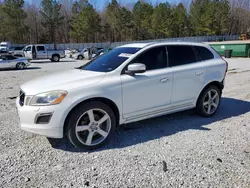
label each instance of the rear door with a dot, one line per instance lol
(41, 52)
(188, 73)
(11, 60)
(3, 61)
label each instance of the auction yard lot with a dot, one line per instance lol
(179, 150)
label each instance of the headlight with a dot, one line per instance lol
(48, 98)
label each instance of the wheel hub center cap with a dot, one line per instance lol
(94, 127)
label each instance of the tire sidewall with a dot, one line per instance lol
(55, 60)
(80, 57)
(75, 115)
(199, 106)
(20, 68)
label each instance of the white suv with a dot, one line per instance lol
(130, 83)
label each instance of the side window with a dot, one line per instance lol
(28, 48)
(155, 58)
(181, 55)
(204, 53)
(9, 57)
(40, 48)
(3, 57)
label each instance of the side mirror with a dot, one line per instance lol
(135, 68)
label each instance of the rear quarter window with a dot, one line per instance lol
(204, 53)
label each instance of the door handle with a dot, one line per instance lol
(164, 80)
(198, 73)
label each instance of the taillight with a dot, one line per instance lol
(226, 67)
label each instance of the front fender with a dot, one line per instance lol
(80, 99)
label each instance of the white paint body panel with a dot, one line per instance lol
(146, 91)
(137, 97)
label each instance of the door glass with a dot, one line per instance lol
(204, 53)
(3, 57)
(28, 48)
(9, 57)
(40, 48)
(181, 55)
(155, 58)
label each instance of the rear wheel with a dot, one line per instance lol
(55, 58)
(91, 125)
(209, 101)
(20, 66)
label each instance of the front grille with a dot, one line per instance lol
(22, 97)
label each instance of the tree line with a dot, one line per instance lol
(80, 21)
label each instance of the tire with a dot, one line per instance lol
(93, 135)
(207, 106)
(20, 66)
(80, 57)
(55, 58)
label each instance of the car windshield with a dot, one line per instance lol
(111, 60)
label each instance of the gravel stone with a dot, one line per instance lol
(218, 159)
(164, 164)
(26, 179)
(187, 143)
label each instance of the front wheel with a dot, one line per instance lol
(91, 125)
(209, 101)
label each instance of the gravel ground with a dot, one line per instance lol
(179, 150)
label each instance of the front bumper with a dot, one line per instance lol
(28, 115)
(27, 64)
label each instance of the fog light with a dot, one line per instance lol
(43, 118)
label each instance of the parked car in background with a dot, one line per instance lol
(130, 83)
(81, 54)
(17, 51)
(4, 50)
(41, 52)
(5, 44)
(10, 61)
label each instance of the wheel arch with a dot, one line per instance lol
(55, 55)
(104, 100)
(220, 85)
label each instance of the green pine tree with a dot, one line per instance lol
(51, 18)
(13, 17)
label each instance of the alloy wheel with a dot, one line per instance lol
(93, 127)
(211, 101)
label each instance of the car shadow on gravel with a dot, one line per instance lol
(155, 128)
(50, 62)
(28, 68)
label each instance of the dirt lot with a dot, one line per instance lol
(180, 150)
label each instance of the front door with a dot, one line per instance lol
(28, 52)
(149, 91)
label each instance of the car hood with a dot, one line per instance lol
(67, 80)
